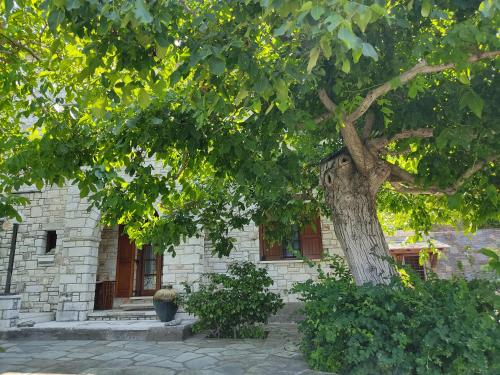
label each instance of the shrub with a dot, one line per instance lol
(232, 304)
(420, 327)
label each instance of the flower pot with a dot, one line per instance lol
(165, 310)
(164, 303)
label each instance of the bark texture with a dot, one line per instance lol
(355, 220)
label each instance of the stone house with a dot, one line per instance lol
(64, 258)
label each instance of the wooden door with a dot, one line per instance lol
(149, 271)
(124, 265)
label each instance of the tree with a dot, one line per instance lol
(248, 104)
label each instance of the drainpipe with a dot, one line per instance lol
(10, 268)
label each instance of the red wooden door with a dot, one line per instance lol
(124, 265)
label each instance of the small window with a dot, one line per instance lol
(51, 241)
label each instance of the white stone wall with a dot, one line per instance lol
(9, 311)
(64, 279)
(78, 271)
(108, 252)
(195, 258)
(187, 265)
(36, 274)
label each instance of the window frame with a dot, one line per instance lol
(318, 236)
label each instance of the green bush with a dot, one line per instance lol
(420, 327)
(233, 304)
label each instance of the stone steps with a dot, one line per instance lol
(41, 317)
(138, 304)
(122, 315)
(130, 315)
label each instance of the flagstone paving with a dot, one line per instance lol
(276, 355)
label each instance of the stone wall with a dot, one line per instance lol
(63, 279)
(195, 257)
(108, 252)
(36, 274)
(460, 257)
(82, 234)
(9, 310)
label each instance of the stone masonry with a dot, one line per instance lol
(195, 257)
(9, 310)
(63, 279)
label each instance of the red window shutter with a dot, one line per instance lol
(268, 252)
(310, 240)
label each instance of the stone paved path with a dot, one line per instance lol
(276, 355)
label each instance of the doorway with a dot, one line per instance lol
(140, 265)
(149, 271)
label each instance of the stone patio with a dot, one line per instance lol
(278, 354)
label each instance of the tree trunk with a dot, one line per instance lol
(355, 220)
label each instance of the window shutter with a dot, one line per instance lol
(268, 252)
(310, 240)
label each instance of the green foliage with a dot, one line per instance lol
(431, 327)
(493, 259)
(234, 304)
(224, 93)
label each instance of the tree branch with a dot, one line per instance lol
(327, 102)
(362, 158)
(404, 182)
(420, 68)
(379, 143)
(369, 121)
(20, 46)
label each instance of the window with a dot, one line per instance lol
(51, 241)
(414, 263)
(306, 241)
(410, 257)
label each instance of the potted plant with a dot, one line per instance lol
(164, 301)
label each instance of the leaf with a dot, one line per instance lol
(325, 45)
(256, 106)
(454, 201)
(333, 22)
(356, 54)
(489, 253)
(369, 51)
(281, 95)
(348, 37)
(306, 6)
(143, 98)
(282, 29)
(56, 16)
(492, 194)
(471, 100)
(362, 19)
(317, 12)
(346, 66)
(242, 94)
(73, 4)
(9, 4)
(426, 8)
(313, 59)
(269, 109)
(141, 12)
(217, 65)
